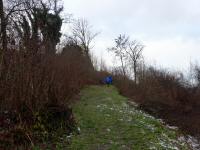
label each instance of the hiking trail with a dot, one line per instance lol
(107, 122)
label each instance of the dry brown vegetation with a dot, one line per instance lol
(163, 93)
(36, 90)
(37, 84)
(166, 95)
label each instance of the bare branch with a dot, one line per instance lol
(83, 34)
(13, 9)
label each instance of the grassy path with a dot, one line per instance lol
(107, 122)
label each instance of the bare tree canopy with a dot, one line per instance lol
(121, 45)
(31, 23)
(83, 35)
(134, 54)
(128, 51)
(7, 8)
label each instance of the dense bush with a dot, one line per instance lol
(35, 93)
(164, 94)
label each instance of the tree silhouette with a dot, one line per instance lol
(120, 48)
(83, 35)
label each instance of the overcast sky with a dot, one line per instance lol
(169, 29)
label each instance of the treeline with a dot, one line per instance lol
(38, 81)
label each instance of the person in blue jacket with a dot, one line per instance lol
(108, 80)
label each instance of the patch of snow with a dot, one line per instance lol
(69, 136)
(79, 129)
(108, 130)
(133, 103)
(181, 139)
(111, 142)
(124, 105)
(150, 127)
(172, 127)
(167, 145)
(107, 115)
(111, 108)
(123, 146)
(131, 112)
(152, 148)
(129, 119)
(146, 115)
(161, 121)
(192, 141)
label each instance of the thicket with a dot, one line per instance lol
(38, 81)
(167, 95)
(35, 93)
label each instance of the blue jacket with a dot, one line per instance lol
(108, 80)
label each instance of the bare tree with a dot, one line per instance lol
(38, 28)
(5, 13)
(128, 51)
(134, 54)
(95, 61)
(196, 72)
(83, 35)
(3, 25)
(120, 48)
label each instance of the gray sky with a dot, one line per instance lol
(169, 29)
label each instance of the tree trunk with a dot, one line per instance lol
(135, 71)
(123, 67)
(3, 27)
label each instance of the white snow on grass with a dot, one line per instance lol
(192, 141)
(130, 111)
